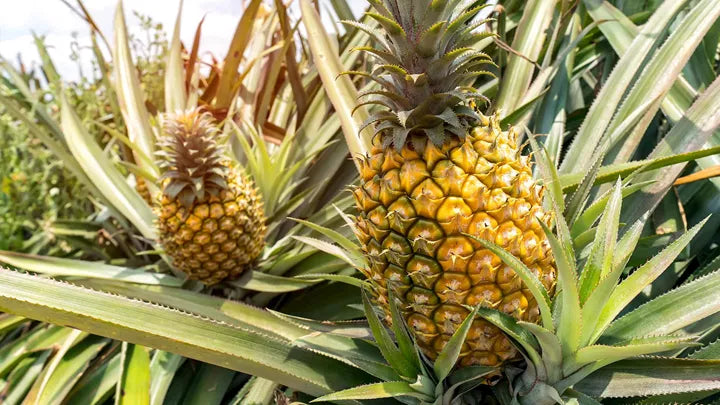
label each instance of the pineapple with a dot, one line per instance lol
(142, 189)
(210, 217)
(437, 172)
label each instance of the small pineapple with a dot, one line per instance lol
(437, 172)
(210, 217)
(142, 189)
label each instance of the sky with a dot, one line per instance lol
(53, 19)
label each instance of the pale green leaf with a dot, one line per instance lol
(175, 97)
(130, 94)
(103, 174)
(60, 267)
(339, 89)
(662, 71)
(17, 391)
(258, 281)
(528, 43)
(616, 86)
(599, 263)
(171, 330)
(374, 391)
(690, 134)
(163, 367)
(651, 376)
(570, 320)
(594, 210)
(581, 194)
(709, 352)
(451, 351)
(44, 389)
(134, 385)
(627, 243)
(98, 384)
(551, 350)
(611, 172)
(353, 329)
(387, 347)
(670, 312)
(329, 248)
(633, 348)
(42, 338)
(644, 275)
(9, 322)
(69, 369)
(334, 277)
(352, 247)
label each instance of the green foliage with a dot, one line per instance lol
(39, 195)
(632, 281)
(91, 128)
(625, 92)
(35, 191)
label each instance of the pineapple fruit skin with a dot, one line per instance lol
(415, 212)
(216, 238)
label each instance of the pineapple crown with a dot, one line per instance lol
(191, 158)
(426, 64)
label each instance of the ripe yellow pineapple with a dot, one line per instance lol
(438, 171)
(210, 217)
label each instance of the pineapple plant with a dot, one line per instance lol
(597, 319)
(438, 174)
(628, 283)
(274, 126)
(210, 216)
